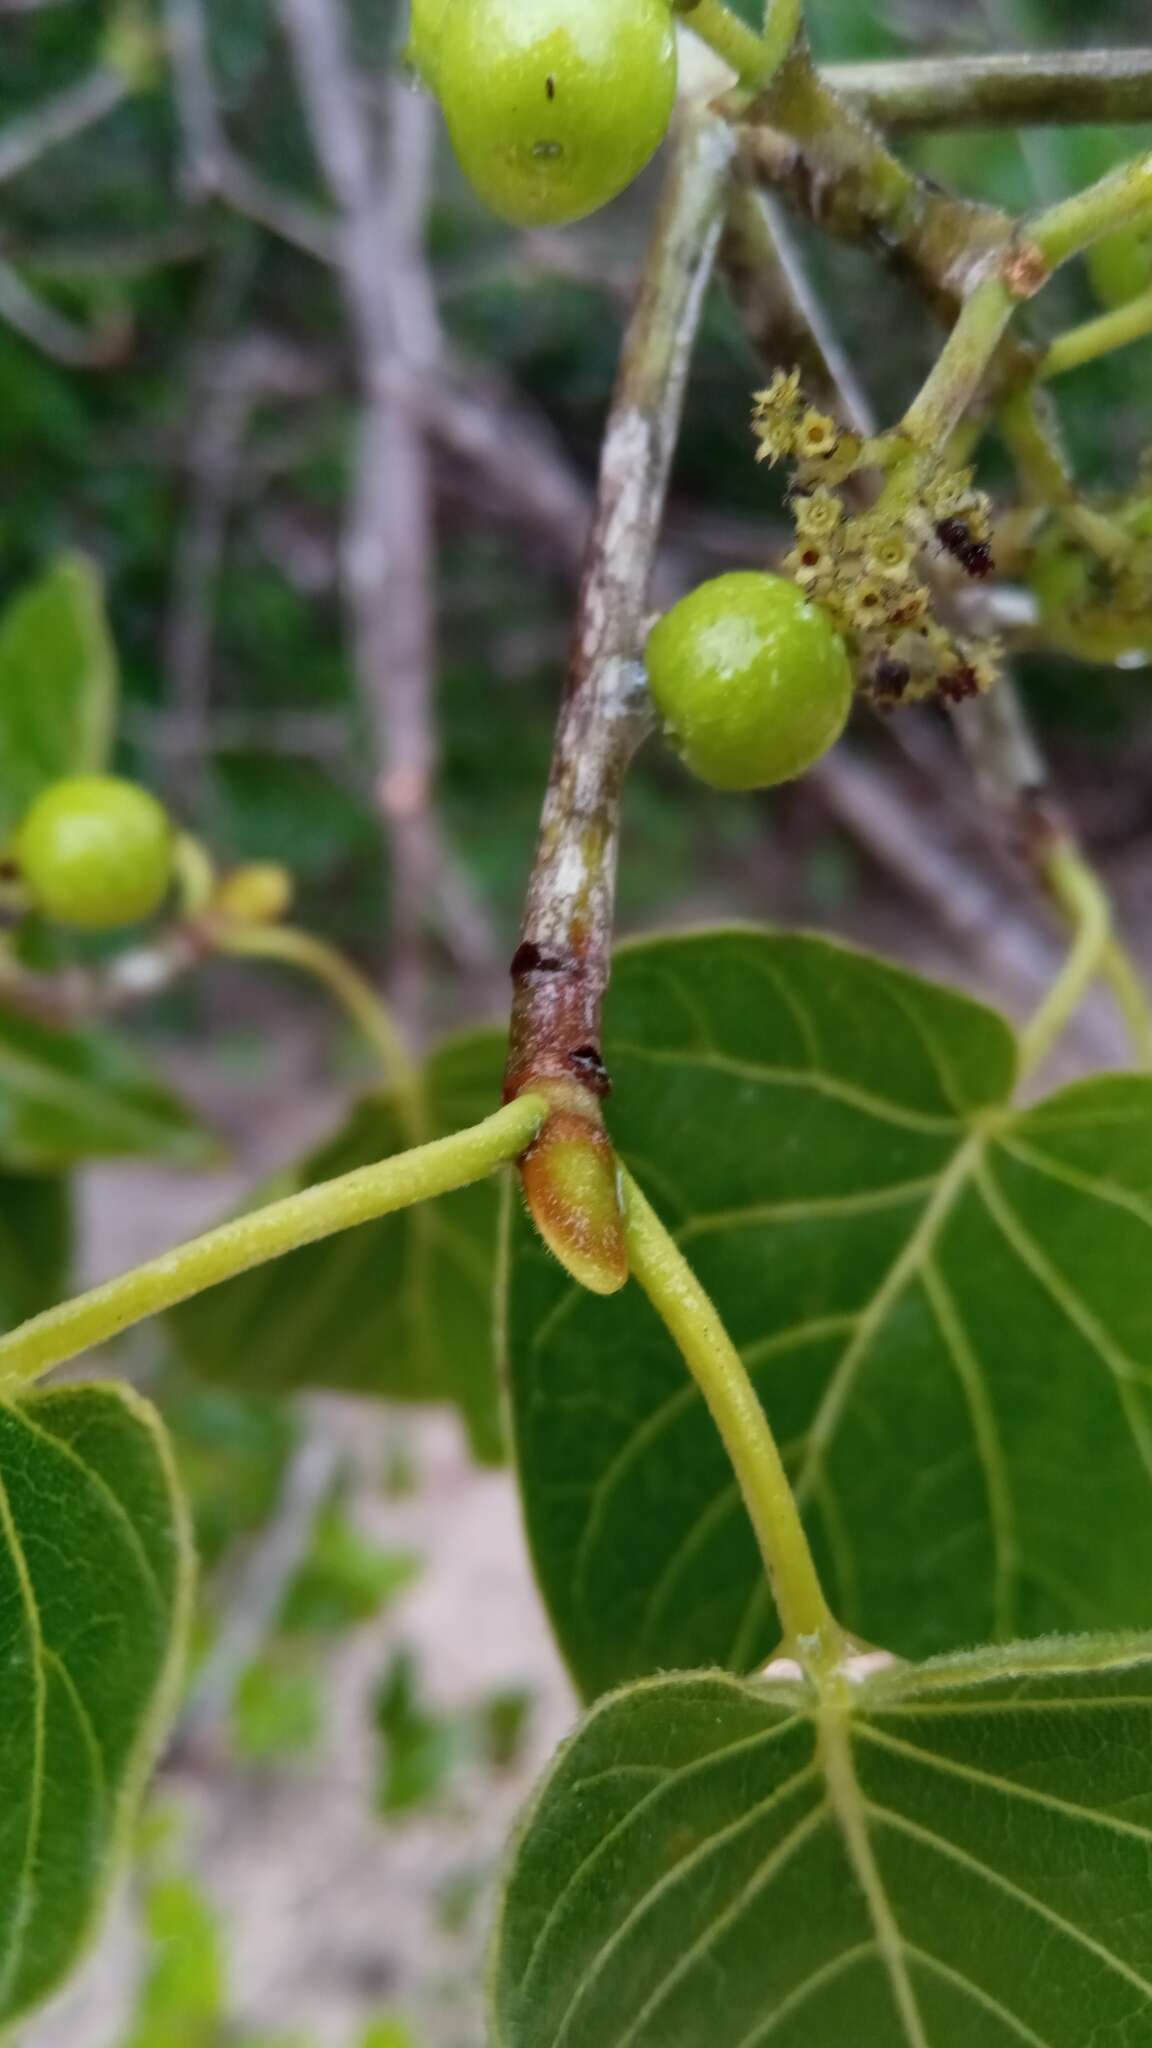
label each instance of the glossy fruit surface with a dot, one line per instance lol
(424, 30)
(96, 852)
(554, 105)
(751, 678)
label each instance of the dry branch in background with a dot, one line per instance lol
(232, 381)
(389, 560)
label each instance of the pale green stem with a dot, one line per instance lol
(1100, 337)
(356, 995)
(1122, 199)
(1132, 999)
(360, 1197)
(810, 1630)
(754, 58)
(1047, 480)
(195, 874)
(1082, 899)
(959, 368)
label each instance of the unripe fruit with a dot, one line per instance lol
(95, 852)
(260, 893)
(751, 678)
(424, 31)
(1080, 613)
(554, 105)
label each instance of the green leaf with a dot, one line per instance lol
(934, 1857)
(69, 1096)
(58, 685)
(400, 1308)
(923, 1284)
(95, 1580)
(35, 1244)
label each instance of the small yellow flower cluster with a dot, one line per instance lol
(787, 427)
(861, 565)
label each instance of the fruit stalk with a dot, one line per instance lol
(810, 1631)
(560, 971)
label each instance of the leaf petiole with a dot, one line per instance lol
(811, 1631)
(1116, 329)
(317, 1212)
(1118, 969)
(1080, 896)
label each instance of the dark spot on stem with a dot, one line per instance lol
(550, 86)
(529, 959)
(585, 1061)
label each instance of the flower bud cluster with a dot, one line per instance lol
(862, 565)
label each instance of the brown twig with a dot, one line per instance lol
(561, 968)
(822, 155)
(389, 554)
(1041, 87)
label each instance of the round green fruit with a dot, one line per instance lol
(751, 678)
(1079, 614)
(424, 31)
(95, 852)
(553, 106)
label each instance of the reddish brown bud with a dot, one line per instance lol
(571, 1185)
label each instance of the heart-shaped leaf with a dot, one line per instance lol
(95, 1576)
(926, 1858)
(67, 1096)
(923, 1284)
(58, 685)
(401, 1308)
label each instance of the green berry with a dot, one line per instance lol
(554, 105)
(751, 678)
(424, 31)
(95, 852)
(1080, 613)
